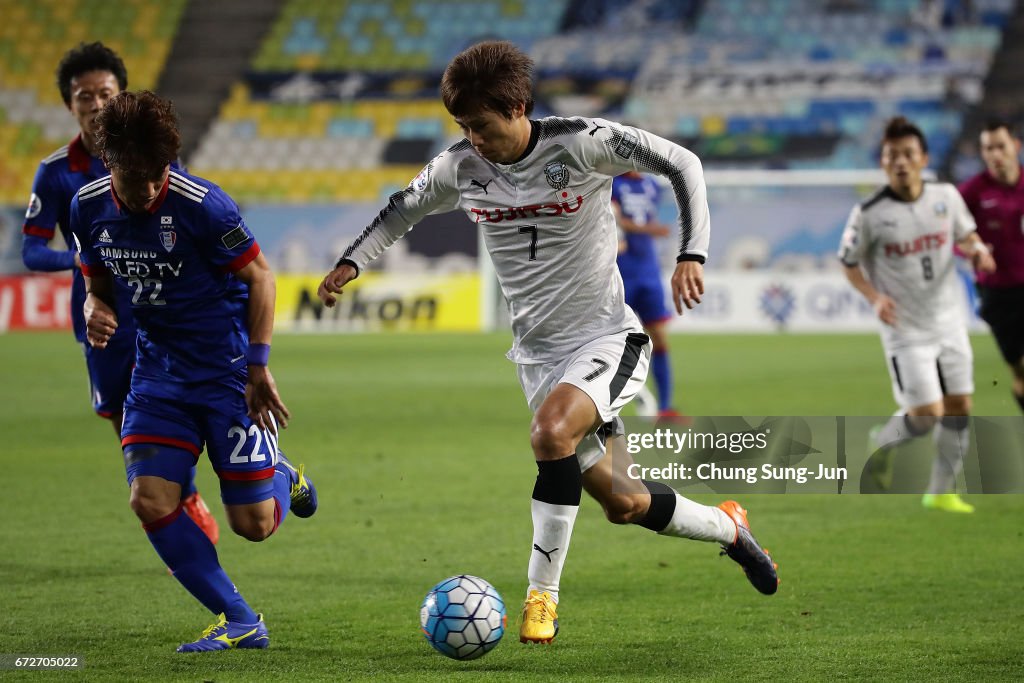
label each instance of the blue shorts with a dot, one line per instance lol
(163, 437)
(646, 296)
(110, 373)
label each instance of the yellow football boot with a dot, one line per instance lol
(540, 618)
(947, 502)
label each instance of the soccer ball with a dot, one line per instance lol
(463, 617)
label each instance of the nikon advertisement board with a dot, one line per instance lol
(382, 303)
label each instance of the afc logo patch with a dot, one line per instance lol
(557, 174)
(419, 183)
(940, 209)
(168, 238)
(35, 205)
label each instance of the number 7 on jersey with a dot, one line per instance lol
(532, 230)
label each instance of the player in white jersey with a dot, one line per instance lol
(897, 250)
(539, 190)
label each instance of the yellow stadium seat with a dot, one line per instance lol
(38, 33)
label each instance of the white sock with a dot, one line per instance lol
(896, 432)
(552, 529)
(700, 522)
(952, 445)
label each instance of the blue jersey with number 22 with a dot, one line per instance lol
(176, 263)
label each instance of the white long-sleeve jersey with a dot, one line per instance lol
(548, 226)
(906, 250)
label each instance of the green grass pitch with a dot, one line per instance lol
(420, 449)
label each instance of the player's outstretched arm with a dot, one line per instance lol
(36, 255)
(434, 190)
(100, 317)
(687, 284)
(261, 397)
(333, 283)
(616, 149)
(41, 219)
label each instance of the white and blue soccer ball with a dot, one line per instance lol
(463, 617)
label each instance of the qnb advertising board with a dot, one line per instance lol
(733, 301)
(765, 301)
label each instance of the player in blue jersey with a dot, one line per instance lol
(203, 296)
(88, 76)
(635, 200)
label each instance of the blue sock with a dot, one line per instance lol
(190, 486)
(282, 493)
(662, 378)
(188, 553)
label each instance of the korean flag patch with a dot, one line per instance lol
(235, 237)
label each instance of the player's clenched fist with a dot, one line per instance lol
(885, 309)
(687, 284)
(100, 321)
(981, 258)
(333, 283)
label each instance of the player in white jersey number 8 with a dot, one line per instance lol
(897, 250)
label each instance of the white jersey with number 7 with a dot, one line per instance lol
(548, 226)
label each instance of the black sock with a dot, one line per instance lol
(663, 506)
(559, 482)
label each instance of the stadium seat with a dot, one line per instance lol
(33, 38)
(814, 71)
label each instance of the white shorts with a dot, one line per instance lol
(923, 373)
(610, 370)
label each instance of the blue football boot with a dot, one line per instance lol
(229, 635)
(303, 493)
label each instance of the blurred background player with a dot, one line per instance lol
(995, 198)
(579, 350)
(635, 199)
(897, 250)
(88, 77)
(204, 305)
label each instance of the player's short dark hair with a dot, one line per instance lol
(901, 127)
(85, 58)
(493, 76)
(995, 123)
(138, 132)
